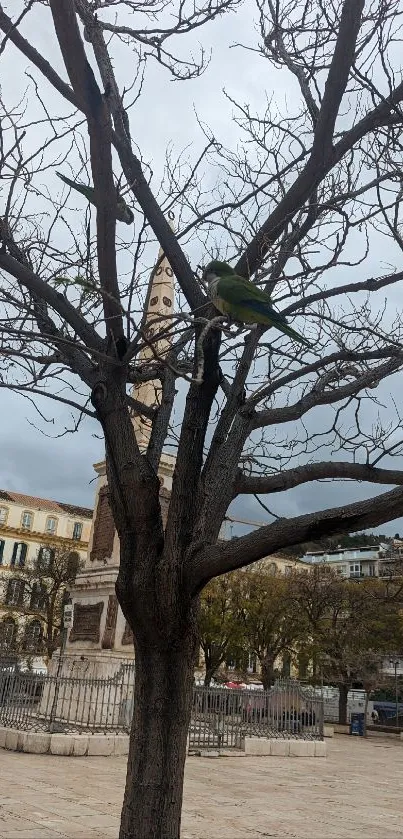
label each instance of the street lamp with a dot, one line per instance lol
(395, 664)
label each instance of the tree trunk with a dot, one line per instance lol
(163, 698)
(208, 677)
(343, 695)
(366, 711)
(267, 674)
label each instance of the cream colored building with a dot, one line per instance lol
(283, 564)
(28, 526)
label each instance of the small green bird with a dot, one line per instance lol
(123, 211)
(244, 301)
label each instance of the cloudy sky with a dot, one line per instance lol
(36, 459)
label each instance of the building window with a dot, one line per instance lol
(8, 634)
(77, 531)
(38, 600)
(51, 525)
(3, 515)
(2, 543)
(355, 569)
(33, 637)
(45, 558)
(26, 520)
(19, 554)
(15, 593)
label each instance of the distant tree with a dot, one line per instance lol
(351, 625)
(312, 592)
(270, 623)
(41, 590)
(219, 625)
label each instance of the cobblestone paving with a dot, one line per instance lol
(355, 793)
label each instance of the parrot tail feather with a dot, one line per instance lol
(87, 191)
(288, 330)
(279, 321)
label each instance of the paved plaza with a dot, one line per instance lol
(354, 793)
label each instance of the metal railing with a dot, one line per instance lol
(222, 718)
(36, 702)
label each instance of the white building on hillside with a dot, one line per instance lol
(356, 562)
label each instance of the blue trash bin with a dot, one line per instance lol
(357, 724)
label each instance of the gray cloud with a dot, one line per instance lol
(49, 467)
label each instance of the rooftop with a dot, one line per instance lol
(45, 504)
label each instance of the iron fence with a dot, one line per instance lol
(220, 718)
(57, 703)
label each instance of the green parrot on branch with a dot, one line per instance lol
(123, 211)
(243, 301)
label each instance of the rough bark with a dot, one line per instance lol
(267, 674)
(343, 695)
(208, 677)
(153, 796)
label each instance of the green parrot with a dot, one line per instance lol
(243, 301)
(123, 212)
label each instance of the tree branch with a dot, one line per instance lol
(131, 166)
(8, 27)
(212, 561)
(372, 284)
(324, 397)
(138, 183)
(318, 165)
(132, 169)
(260, 484)
(140, 407)
(48, 395)
(100, 130)
(348, 356)
(336, 83)
(162, 416)
(53, 298)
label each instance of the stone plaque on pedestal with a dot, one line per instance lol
(104, 528)
(108, 639)
(86, 623)
(127, 637)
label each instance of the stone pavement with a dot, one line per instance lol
(354, 793)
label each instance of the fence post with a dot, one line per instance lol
(57, 683)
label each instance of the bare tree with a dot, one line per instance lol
(42, 589)
(301, 209)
